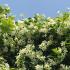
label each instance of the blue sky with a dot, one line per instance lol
(30, 7)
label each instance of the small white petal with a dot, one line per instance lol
(58, 11)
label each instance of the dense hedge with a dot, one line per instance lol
(37, 43)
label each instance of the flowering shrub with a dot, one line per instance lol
(37, 43)
(3, 64)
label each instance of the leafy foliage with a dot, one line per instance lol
(37, 43)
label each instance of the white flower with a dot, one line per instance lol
(46, 66)
(31, 25)
(68, 8)
(26, 19)
(16, 27)
(24, 30)
(51, 21)
(59, 50)
(7, 7)
(3, 15)
(16, 39)
(39, 67)
(7, 66)
(43, 45)
(19, 21)
(58, 11)
(63, 43)
(48, 18)
(23, 51)
(49, 42)
(33, 19)
(37, 14)
(42, 58)
(67, 23)
(43, 30)
(35, 27)
(13, 22)
(33, 31)
(12, 45)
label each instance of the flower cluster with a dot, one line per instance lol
(37, 43)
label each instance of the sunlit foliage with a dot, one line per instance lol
(37, 43)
